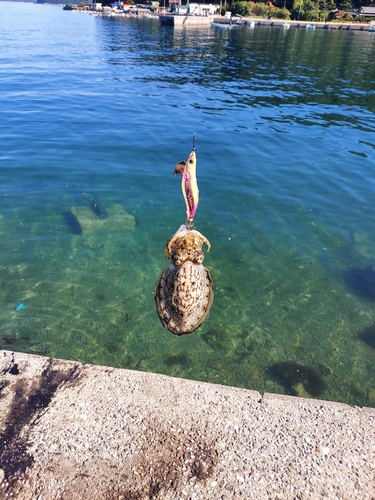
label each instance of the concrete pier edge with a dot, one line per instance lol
(326, 25)
(180, 21)
(74, 431)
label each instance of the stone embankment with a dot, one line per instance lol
(317, 25)
(282, 23)
(69, 431)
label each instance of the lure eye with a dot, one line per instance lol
(191, 161)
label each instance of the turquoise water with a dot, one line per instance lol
(95, 113)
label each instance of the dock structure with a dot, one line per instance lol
(367, 11)
(317, 25)
(84, 432)
(180, 20)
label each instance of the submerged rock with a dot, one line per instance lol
(118, 220)
(296, 378)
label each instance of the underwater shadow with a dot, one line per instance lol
(361, 282)
(72, 223)
(289, 375)
(367, 335)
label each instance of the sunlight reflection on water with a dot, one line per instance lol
(102, 109)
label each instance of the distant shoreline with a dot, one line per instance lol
(341, 26)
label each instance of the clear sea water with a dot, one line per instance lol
(95, 113)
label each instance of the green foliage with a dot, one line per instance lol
(326, 5)
(324, 15)
(259, 9)
(242, 8)
(346, 5)
(311, 10)
(305, 10)
(282, 13)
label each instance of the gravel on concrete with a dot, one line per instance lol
(71, 431)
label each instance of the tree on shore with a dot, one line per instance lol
(307, 10)
(260, 9)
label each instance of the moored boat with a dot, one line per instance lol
(227, 26)
(221, 26)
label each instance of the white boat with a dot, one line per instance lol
(221, 26)
(310, 26)
(371, 29)
(226, 26)
(250, 23)
(286, 26)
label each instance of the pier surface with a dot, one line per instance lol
(318, 25)
(181, 21)
(281, 23)
(75, 431)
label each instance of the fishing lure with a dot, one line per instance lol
(189, 184)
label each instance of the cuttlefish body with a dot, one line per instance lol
(184, 290)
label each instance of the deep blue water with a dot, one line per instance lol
(99, 110)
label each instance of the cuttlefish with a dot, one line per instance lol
(184, 290)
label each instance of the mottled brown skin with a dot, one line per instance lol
(184, 291)
(185, 243)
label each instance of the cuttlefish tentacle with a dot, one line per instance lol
(191, 238)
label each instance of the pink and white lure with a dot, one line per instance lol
(189, 184)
